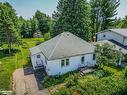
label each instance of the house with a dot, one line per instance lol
(63, 53)
(117, 35)
(37, 35)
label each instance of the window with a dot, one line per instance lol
(62, 63)
(82, 59)
(104, 35)
(38, 56)
(67, 62)
(94, 56)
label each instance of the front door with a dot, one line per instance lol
(39, 62)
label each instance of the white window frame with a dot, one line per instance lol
(65, 62)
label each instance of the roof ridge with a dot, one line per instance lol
(55, 47)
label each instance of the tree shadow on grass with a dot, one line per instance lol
(5, 52)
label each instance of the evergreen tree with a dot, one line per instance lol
(57, 14)
(109, 10)
(9, 32)
(74, 16)
(103, 12)
(96, 14)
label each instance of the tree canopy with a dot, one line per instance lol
(103, 14)
(73, 16)
(108, 55)
(9, 29)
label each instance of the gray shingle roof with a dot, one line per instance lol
(122, 32)
(63, 45)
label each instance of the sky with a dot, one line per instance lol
(27, 8)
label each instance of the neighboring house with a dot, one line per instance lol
(37, 35)
(118, 35)
(63, 53)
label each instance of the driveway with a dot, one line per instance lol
(25, 83)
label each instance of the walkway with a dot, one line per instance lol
(24, 83)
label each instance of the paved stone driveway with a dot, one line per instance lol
(24, 83)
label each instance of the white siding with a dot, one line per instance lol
(110, 36)
(125, 41)
(54, 66)
(34, 58)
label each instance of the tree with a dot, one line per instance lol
(124, 22)
(21, 21)
(106, 54)
(38, 23)
(73, 16)
(96, 14)
(43, 21)
(57, 14)
(26, 29)
(34, 25)
(109, 10)
(9, 32)
(103, 12)
(120, 22)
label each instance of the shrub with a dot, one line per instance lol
(38, 43)
(125, 72)
(63, 91)
(47, 36)
(101, 73)
(70, 81)
(82, 81)
(109, 70)
(24, 45)
(50, 81)
(104, 86)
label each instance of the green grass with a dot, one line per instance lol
(17, 60)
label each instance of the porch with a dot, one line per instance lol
(86, 70)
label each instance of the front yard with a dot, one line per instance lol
(19, 59)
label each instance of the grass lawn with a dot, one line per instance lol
(18, 60)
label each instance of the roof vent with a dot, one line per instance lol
(67, 34)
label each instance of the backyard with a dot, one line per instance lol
(18, 59)
(107, 80)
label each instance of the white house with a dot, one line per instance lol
(118, 35)
(63, 53)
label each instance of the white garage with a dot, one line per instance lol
(118, 35)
